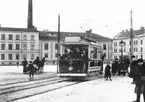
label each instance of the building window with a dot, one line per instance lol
(46, 46)
(10, 56)
(136, 57)
(2, 46)
(17, 37)
(24, 56)
(115, 43)
(24, 46)
(141, 49)
(136, 49)
(2, 56)
(10, 46)
(129, 42)
(33, 37)
(32, 56)
(142, 56)
(24, 37)
(115, 50)
(136, 42)
(124, 43)
(124, 50)
(17, 46)
(32, 46)
(141, 42)
(10, 37)
(17, 56)
(3, 37)
(104, 46)
(46, 55)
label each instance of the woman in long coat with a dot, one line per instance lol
(140, 80)
(107, 71)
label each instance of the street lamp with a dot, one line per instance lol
(121, 45)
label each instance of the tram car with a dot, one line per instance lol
(79, 58)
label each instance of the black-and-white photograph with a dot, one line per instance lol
(72, 51)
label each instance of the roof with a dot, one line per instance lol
(49, 35)
(17, 29)
(126, 34)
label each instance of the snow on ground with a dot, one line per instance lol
(15, 69)
(99, 90)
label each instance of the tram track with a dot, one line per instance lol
(25, 81)
(17, 93)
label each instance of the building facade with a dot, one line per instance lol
(17, 44)
(138, 44)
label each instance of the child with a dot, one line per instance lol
(31, 70)
(107, 71)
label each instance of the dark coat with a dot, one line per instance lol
(140, 75)
(31, 67)
(114, 67)
(107, 71)
(133, 68)
(25, 63)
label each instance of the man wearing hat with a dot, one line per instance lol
(140, 80)
(133, 67)
(25, 63)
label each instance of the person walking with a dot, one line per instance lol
(24, 64)
(140, 80)
(133, 67)
(107, 71)
(31, 71)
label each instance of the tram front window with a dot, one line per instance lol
(74, 51)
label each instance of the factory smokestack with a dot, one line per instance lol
(30, 15)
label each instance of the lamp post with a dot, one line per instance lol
(121, 45)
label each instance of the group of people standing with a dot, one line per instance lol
(32, 67)
(137, 73)
(117, 68)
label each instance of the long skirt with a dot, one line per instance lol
(140, 89)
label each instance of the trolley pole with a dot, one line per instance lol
(58, 44)
(131, 35)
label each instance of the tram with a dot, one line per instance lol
(80, 57)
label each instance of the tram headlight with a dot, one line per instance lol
(70, 68)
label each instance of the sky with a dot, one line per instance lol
(104, 17)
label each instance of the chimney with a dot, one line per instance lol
(30, 15)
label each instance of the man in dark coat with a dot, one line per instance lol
(114, 67)
(24, 64)
(107, 71)
(31, 71)
(140, 80)
(133, 67)
(36, 61)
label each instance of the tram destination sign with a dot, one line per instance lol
(72, 39)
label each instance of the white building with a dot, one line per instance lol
(18, 43)
(138, 43)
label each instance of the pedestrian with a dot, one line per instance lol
(31, 70)
(140, 80)
(53, 62)
(133, 67)
(107, 71)
(24, 64)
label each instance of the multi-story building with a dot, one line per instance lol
(18, 43)
(138, 44)
(48, 43)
